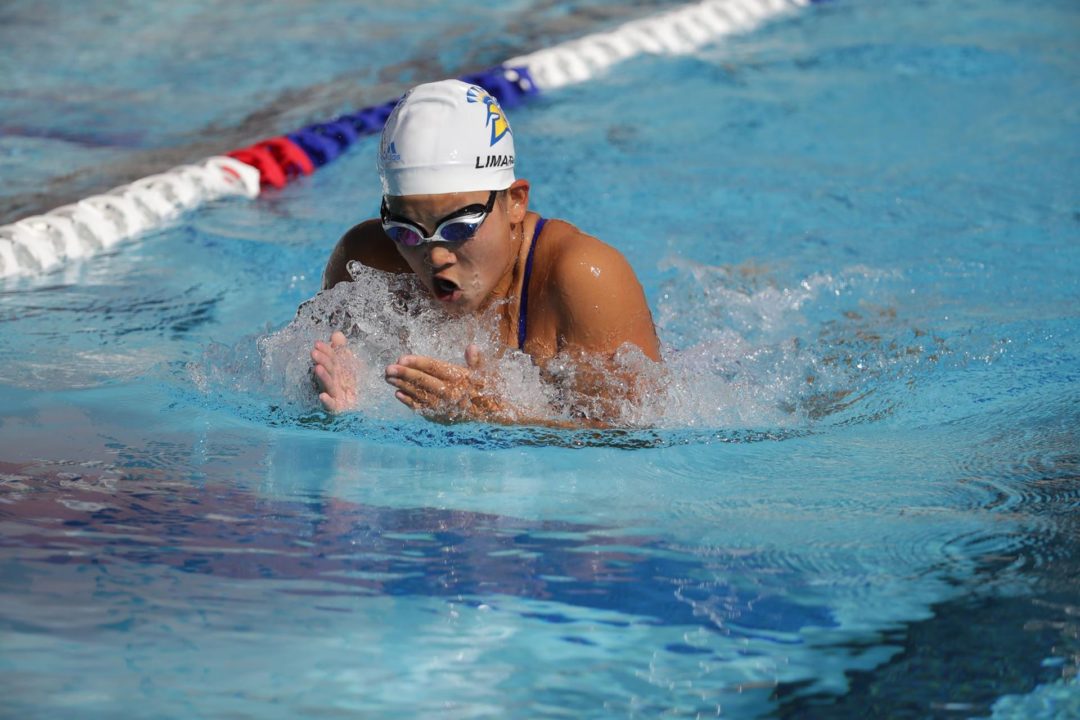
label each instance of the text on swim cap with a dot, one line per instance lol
(494, 161)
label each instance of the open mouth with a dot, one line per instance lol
(444, 289)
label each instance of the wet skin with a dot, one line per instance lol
(583, 299)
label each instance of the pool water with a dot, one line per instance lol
(859, 232)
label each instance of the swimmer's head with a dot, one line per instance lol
(446, 137)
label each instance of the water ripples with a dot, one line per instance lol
(149, 522)
(86, 340)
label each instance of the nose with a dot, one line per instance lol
(439, 255)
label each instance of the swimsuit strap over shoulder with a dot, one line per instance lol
(523, 306)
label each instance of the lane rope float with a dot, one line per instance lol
(40, 243)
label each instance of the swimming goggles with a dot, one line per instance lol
(456, 227)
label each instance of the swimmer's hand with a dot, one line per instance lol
(336, 369)
(445, 392)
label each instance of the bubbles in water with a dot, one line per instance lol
(750, 351)
(380, 326)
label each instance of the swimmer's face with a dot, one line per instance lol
(462, 276)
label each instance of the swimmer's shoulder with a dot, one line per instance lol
(573, 257)
(595, 294)
(367, 244)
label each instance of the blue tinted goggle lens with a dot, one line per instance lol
(451, 232)
(460, 231)
(402, 235)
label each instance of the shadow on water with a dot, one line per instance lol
(80, 518)
(986, 644)
(482, 436)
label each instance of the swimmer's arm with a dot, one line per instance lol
(367, 244)
(601, 308)
(600, 304)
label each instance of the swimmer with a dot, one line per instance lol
(454, 214)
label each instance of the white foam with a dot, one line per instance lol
(381, 327)
(747, 357)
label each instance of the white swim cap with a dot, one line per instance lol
(444, 137)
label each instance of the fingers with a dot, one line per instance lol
(433, 387)
(327, 354)
(325, 366)
(335, 404)
(445, 371)
(443, 391)
(416, 398)
(407, 400)
(322, 356)
(337, 396)
(327, 380)
(422, 385)
(473, 358)
(334, 374)
(330, 404)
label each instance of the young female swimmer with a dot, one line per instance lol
(454, 215)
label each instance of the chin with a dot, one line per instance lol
(455, 306)
(465, 307)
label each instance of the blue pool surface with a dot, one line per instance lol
(858, 228)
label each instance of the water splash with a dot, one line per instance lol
(756, 358)
(759, 352)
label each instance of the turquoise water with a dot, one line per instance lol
(858, 231)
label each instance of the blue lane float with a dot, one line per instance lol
(40, 243)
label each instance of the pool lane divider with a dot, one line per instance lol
(42, 242)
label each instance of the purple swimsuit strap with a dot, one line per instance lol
(523, 306)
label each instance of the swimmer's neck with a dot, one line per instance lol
(503, 295)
